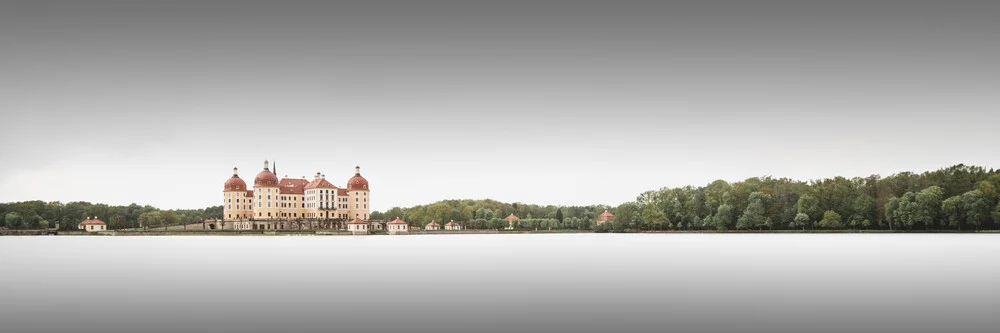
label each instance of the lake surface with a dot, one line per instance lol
(502, 283)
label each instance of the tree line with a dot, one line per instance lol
(492, 214)
(959, 197)
(40, 215)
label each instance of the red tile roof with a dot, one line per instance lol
(512, 217)
(94, 221)
(452, 224)
(250, 193)
(341, 191)
(319, 183)
(606, 216)
(357, 221)
(433, 224)
(397, 221)
(292, 186)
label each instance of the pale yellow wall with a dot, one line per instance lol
(358, 204)
(397, 228)
(94, 228)
(236, 205)
(292, 206)
(323, 201)
(266, 203)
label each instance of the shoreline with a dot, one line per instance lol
(461, 232)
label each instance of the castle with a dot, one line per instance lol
(285, 203)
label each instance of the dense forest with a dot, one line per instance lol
(40, 215)
(955, 198)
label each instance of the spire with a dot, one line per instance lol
(275, 168)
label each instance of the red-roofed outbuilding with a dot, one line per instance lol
(92, 225)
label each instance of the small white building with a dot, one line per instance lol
(358, 227)
(397, 226)
(92, 225)
(432, 226)
(452, 226)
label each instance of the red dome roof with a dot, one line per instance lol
(265, 178)
(357, 183)
(235, 184)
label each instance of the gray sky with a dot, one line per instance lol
(548, 102)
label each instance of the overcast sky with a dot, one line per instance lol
(548, 102)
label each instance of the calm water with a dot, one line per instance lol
(502, 283)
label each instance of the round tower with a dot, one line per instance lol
(266, 195)
(236, 202)
(358, 194)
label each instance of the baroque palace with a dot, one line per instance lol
(291, 203)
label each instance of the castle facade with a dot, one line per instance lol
(273, 203)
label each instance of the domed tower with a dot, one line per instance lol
(266, 194)
(358, 194)
(236, 202)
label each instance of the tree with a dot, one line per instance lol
(890, 210)
(928, 206)
(831, 220)
(809, 205)
(499, 224)
(559, 215)
(13, 221)
(754, 215)
(801, 221)
(907, 213)
(996, 214)
(168, 219)
(951, 208)
(864, 210)
(152, 219)
(724, 217)
(976, 207)
(862, 223)
(653, 217)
